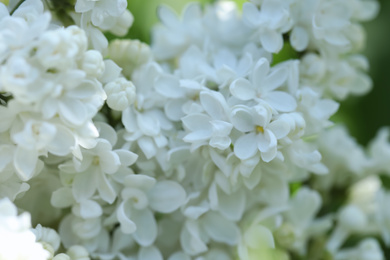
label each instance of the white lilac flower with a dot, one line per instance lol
(228, 67)
(102, 11)
(228, 30)
(382, 214)
(262, 85)
(144, 121)
(178, 34)
(48, 238)
(38, 138)
(260, 132)
(367, 249)
(141, 195)
(93, 63)
(120, 94)
(306, 157)
(95, 16)
(129, 54)
(269, 23)
(379, 151)
(300, 222)
(350, 219)
(92, 172)
(195, 234)
(14, 232)
(212, 128)
(257, 238)
(316, 111)
(88, 233)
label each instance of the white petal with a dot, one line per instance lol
(149, 253)
(279, 128)
(63, 142)
(168, 17)
(84, 6)
(62, 198)
(6, 155)
(214, 104)
(304, 206)
(179, 256)
(251, 14)
(111, 71)
(83, 91)
(260, 72)
(72, 111)
(129, 120)
(220, 229)
(224, 58)
(109, 162)
(232, 206)
(242, 89)
(84, 185)
(274, 80)
(220, 142)
(126, 224)
(169, 86)
(265, 140)
(241, 118)
(140, 181)
(281, 101)
(106, 132)
(270, 154)
(196, 122)
(25, 162)
(244, 64)
(89, 209)
(245, 146)
(106, 191)
(147, 146)
(192, 12)
(148, 124)
(271, 41)
(259, 235)
(166, 196)
(197, 136)
(299, 38)
(173, 109)
(126, 158)
(190, 239)
(146, 231)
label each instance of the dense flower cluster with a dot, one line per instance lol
(208, 144)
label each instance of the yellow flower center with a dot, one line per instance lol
(259, 129)
(96, 160)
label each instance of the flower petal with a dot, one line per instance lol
(245, 146)
(265, 140)
(220, 229)
(146, 231)
(271, 41)
(242, 89)
(299, 38)
(167, 196)
(281, 101)
(126, 224)
(25, 162)
(214, 104)
(241, 119)
(169, 86)
(148, 253)
(72, 111)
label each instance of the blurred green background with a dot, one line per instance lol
(363, 115)
(369, 113)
